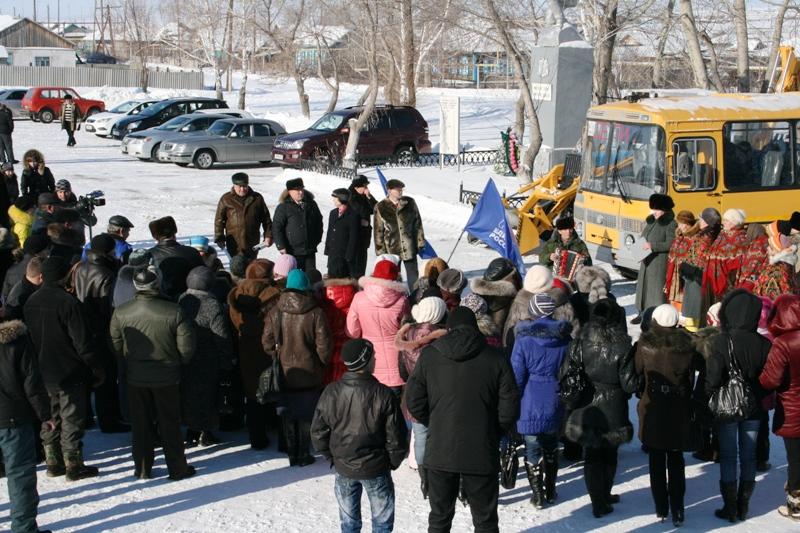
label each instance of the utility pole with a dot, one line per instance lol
(34, 10)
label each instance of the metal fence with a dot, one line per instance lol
(97, 76)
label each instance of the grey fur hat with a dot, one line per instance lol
(593, 281)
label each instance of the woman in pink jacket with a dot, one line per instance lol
(376, 314)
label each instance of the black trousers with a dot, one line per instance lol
(412, 272)
(306, 262)
(6, 148)
(600, 467)
(257, 417)
(481, 492)
(106, 396)
(762, 440)
(667, 494)
(361, 262)
(793, 460)
(70, 136)
(69, 407)
(156, 411)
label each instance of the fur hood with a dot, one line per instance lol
(660, 339)
(594, 281)
(410, 345)
(704, 340)
(665, 220)
(339, 282)
(545, 331)
(34, 155)
(500, 288)
(284, 197)
(691, 232)
(382, 292)
(61, 235)
(787, 255)
(11, 331)
(487, 326)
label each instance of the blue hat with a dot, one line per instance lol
(199, 242)
(297, 280)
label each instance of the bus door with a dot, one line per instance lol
(695, 182)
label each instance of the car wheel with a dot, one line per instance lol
(204, 159)
(405, 155)
(154, 152)
(46, 116)
(182, 164)
(92, 111)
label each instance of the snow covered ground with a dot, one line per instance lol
(238, 489)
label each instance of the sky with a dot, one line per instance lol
(72, 10)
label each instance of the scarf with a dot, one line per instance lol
(724, 260)
(678, 252)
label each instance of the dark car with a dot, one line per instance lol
(159, 113)
(97, 58)
(390, 130)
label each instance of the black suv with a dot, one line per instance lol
(162, 111)
(390, 130)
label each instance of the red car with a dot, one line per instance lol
(44, 103)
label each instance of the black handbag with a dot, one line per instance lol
(575, 388)
(734, 401)
(270, 383)
(509, 465)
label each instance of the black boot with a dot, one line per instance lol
(76, 469)
(55, 460)
(610, 473)
(594, 476)
(304, 457)
(192, 438)
(729, 510)
(537, 487)
(423, 481)
(290, 433)
(550, 475)
(743, 498)
(207, 438)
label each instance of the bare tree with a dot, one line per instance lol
(775, 43)
(663, 36)
(208, 16)
(433, 27)
(324, 52)
(408, 89)
(607, 27)
(715, 79)
(693, 44)
(139, 32)
(742, 46)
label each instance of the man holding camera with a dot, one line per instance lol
(242, 215)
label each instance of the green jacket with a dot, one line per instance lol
(574, 244)
(155, 337)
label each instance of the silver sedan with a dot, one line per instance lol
(227, 141)
(12, 98)
(145, 144)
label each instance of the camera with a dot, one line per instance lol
(86, 205)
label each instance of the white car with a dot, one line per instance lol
(101, 123)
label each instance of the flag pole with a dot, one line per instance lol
(454, 247)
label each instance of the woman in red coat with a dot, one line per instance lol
(782, 373)
(337, 295)
(725, 255)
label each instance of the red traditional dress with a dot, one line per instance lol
(753, 263)
(778, 274)
(692, 268)
(678, 252)
(724, 261)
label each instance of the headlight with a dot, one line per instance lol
(294, 145)
(178, 148)
(134, 125)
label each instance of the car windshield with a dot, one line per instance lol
(124, 107)
(155, 108)
(221, 127)
(174, 123)
(625, 160)
(328, 122)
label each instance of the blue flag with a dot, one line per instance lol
(488, 223)
(427, 251)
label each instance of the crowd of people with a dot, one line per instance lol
(174, 348)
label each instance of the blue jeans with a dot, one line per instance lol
(536, 445)
(420, 438)
(18, 445)
(380, 491)
(737, 439)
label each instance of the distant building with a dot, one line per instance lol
(29, 44)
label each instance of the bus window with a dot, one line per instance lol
(757, 155)
(694, 165)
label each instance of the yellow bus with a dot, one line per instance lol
(719, 150)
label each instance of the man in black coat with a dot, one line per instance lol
(359, 428)
(6, 129)
(66, 352)
(24, 403)
(18, 297)
(363, 203)
(35, 245)
(173, 259)
(341, 242)
(297, 225)
(465, 392)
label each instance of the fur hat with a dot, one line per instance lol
(285, 264)
(238, 266)
(240, 178)
(146, 280)
(452, 280)
(200, 278)
(395, 184)
(394, 258)
(385, 270)
(54, 269)
(593, 281)
(430, 310)
(356, 354)
(541, 305)
(710, 216)
(360, 181)
(140, 258)
(735, 216)
(475, 303)
(565, 223)
(295, 184)
(462, 317)
(260, 269)
(686, 217)
(662, 202)
(297, 280)
(103, 243)
(795, 221)
(666, 316)
(35, 243)
(433, 268)
(498, 269)
(538, 279)
(343, 195)
(163, 228)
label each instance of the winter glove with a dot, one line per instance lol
(220, 243)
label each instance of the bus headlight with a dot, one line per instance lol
(629, 240)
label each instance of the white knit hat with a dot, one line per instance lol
(431, 309)
(538, 279)
(737, 216)
(666, 316)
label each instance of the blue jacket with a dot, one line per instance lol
(539, 349)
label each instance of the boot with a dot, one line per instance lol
(743, 498)
(610, 473)
(76, 469)
(550, 475)
(728, 511)
(304, 457)
(792, 508)
(189, 472)
(192, 438)
(290, 433)
(594, 476)
(423, 481)
(535, 479)
(54, 460)
(208, 439)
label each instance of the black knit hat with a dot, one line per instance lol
(395, 184)
(35, 243)
(54, 269)
(295, 184)
(240, 178)
(462, 317)
(25, 202)
(360, 181)
(356, 354)
(565, 223)
(662, 202)
(342, 194)
(103, 243)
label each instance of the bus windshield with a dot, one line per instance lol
(625, 160)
